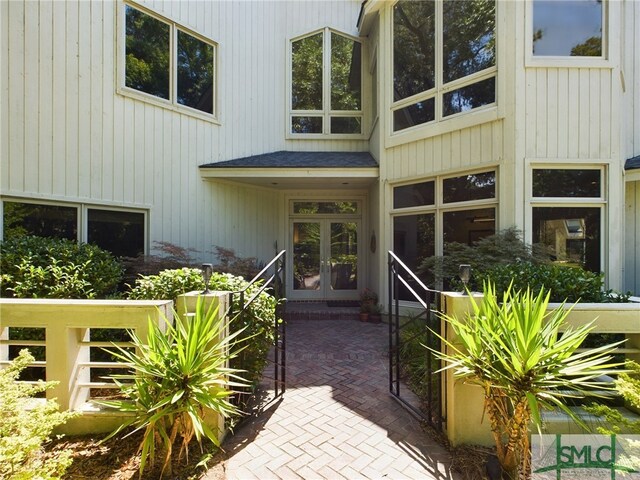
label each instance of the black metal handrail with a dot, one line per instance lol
(274, 283)
(401, 276)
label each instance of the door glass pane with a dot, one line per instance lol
(572, 234)
(413, 241)
(306, 67)
(195, 73)
(344, 256)
(306, 256)
(147, 53)
(566, 183)
(567, 28)
(20, 219)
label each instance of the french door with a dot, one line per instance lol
(325, 260)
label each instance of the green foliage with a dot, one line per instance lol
(258, 321)
(414, 358)
(229, 262)
(26, 425)
(178, 375)
(510, 346)
(40, 267)
(628, 385)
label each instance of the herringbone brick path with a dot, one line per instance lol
(337, 419)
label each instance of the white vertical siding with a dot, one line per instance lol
(67, 134)
(632, 237)
(631, 73)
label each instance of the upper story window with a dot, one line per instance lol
(444, 60)
(326, 84)
(167, 62)
(564, 28)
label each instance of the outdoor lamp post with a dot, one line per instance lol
(464, 272)
(207, 270)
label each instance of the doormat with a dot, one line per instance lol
(343, 303)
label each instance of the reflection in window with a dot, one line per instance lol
(345, 73)
(325, 207)
(414, 195)
(567, 28)
(468, 38)
(566, 183)
(416, 114)
(469, 97)
(475, 186)
(306, 256)
(571, 234)
(468, 226)
(342, 112)
(195, 73)
(21, 219)
(344, 256)
(413, 241)
(414, 56)
(306, 67)
(147, 53)
(121, 233)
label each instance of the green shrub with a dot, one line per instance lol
(40, 267)
(257, 322)
(177, 375)
(23, 431)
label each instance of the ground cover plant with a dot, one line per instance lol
(180, 376)
(511, 348)
(27, 425)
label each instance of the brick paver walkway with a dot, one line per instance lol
(337, 419)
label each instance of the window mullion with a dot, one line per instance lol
(439, 50)
(326, 81)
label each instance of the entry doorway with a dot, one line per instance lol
(325, 258)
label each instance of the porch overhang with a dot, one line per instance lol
(632, 169)
(296, 170)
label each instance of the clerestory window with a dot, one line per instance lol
(166, 63)
(444, 59)
(326, 85)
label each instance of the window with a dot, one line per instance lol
(118, 231)
(564, 28)
(440, 72)
(165, 61)
(326, 84)
(429, 215)
(567, 215)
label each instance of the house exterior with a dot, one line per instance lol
(337, 130)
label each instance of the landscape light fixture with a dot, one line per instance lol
(464, 272)
(207, 270)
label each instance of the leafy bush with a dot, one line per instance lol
(167, 256)
(56, 268)
(258, 321)
(177, 375)
(231, 263)
(23, 431)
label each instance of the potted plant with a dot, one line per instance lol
(368, 299)
(375, 313)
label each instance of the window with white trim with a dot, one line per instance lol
(168, 62)
(429, 215)
(121, 232)
(444, 60)
(567, 214)
(326, 85)
(568, 28)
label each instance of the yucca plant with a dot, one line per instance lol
(513, 349)
(177, 375)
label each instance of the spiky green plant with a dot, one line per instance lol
(177, 375)
(512, 349)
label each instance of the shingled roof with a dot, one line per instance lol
(300, 160)
(632, 163)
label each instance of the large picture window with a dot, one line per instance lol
(122, 232)
(567, 208)
(568, 28)
(430, 215)
(168, 62)
(326, 84)
(442, 71)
